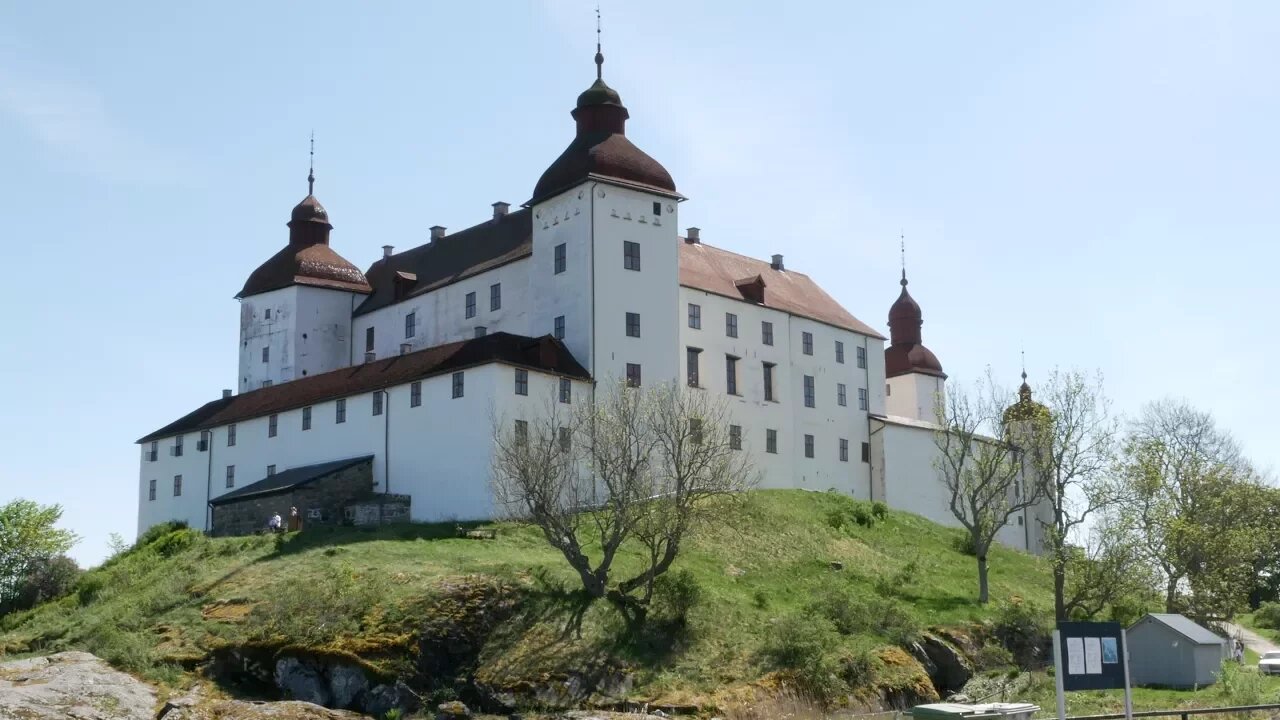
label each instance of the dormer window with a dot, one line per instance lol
(402, 283)
(752, 289)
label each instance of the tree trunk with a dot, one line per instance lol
(983, 594)
(1059, 590)
(1171, 595)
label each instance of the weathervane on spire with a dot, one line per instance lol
(902, 247)
(599, 54)
(1024, 366)
(311, 172)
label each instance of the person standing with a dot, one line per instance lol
(295, 520)
(273, 524)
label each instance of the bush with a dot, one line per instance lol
(893, 585)
(760, 600)
(1268, 615)
(964, 545)
(882, 616)
(45, 579)
(880, 510)
(331, 606)
(992, 657)
(850, 512)
(674, 595)
(1023, 630)
(802, 645)
(174, 542)
(1240, 686)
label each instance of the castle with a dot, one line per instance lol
(386, 380)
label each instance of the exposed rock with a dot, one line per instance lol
(922, 656)
(241, 710)
(71, 685)
(952, 669)
(346, 685)
(453, 710)
(382, 698)
(301, 681)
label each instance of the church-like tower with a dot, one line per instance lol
(295, 309)
(914, 378)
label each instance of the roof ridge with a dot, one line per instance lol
(717, 248)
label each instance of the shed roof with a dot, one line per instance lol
(1185, 627)
(289, 479)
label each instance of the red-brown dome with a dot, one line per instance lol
(906, 353)
(309, 210)
(307, 259)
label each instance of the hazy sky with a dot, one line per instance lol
(1094, 181)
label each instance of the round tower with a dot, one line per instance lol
(915, 382)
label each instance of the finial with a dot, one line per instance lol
(1024, 366)
(599, 54)
(902, 247)
(311, 173)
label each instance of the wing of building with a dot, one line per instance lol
(367, 385)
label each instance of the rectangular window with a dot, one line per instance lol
(862, 398)
(695, 316)
(731, 325)
(177, 447)
(766, 332)
(458, 386)
(522, 382)
(633, 324)
(844, 450)
(154, 453)
(866, 452)
(177, 485)
(657, 208)
(267, 314)
(566, 439)
(841, 399)
(558, 327)
(735, 437)
(377, 402)
(560, 258)
(481, 331)
(566, 391)
(862, 357)
(691, 365)
(809, 400)
(888, 389)
(495, 297)
(151, 490)
(266, 383)
(271, 470)
(368, 339)
(839, 352)
(231, 476)
(410, 325)
(731, 374)
(471, 305)
(808, 446)
(695, 430)
(522, 432)
(415, 394)
(633, 374)
(340, 410)
(768, 381)
(630, 255)
(202, 443)
(306, 418)
(272, 425)
(806, 343)
(231, 435)
(266, 354)
(771, 441)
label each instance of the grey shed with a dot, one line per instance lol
(1170, 650)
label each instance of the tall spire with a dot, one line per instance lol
(902, 247)
(599, 53)
(311, 172)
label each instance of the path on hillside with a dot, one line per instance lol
(1252, 640)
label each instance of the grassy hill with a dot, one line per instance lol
(798, 589)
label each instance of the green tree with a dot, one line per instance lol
(28, 534)
(45, 579)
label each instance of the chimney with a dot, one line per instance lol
(406, 348)
(437, 232)
(691, 236)
(370, 356)
(500, 209)
(226, 393)
(777, 263)
(387, 250)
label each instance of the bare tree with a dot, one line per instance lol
(1106, 571)
(981, 468)
(640, 465)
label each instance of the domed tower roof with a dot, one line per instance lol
(1025, 408)
(906, 353)
(601, 147)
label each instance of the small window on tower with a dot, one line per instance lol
(266, 354)
(368, 339)
(657, 208)
(268, 313)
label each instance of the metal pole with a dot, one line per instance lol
(1058, 669)
(1128, 692)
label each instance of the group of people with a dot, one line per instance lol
(295, 521)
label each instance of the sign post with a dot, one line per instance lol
(1091, 656)
(1057, 675)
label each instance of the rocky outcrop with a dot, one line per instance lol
(951, 669)
(72, 685)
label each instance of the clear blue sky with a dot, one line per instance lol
(1095, 181)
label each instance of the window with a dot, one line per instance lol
(691, 365)
(839, 352)
(368, 339)
(471, 304)
(841, 399)
(735, 437)
(522, 382)
(806, 343)
(731, 325)
(410, 325)
(657, 208)
(340, 411)
(862, 398)
(771, 441)
(630, 255)
(844, 450)
(888, 389)
(560, 258)
(177, 447)
(151, 490)
(866, 452)
(177, 485)
(481, 331)
(231, 435)
(267, 314)
(768, 381)
(558, 326)
(695, 430)
(566, 391)
(267, 383)
(231, 476)
(377, 402)
(633, 374)
(1019, 519)
(522, 432)
(862, 357)
(731, 374)
(495, 297)
(266, 354)
(271, 470)
(633, 324)
(415, 394)
(202, 442)
(808, 446)
(809, 400)
(458, 387)
(306, 418)
(154, 453)
(766, 332)
(695, 316)
(566, 439)
(271, 425)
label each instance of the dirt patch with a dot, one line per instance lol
(229, 611)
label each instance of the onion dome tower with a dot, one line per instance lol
(915, 380)
(1025, 409)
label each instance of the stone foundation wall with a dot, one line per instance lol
(379, 510)
(319, 502)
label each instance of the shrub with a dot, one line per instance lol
(333, 605)
(802, 645)
(1023, 630)
(1239, 685)
(674, 595)
(850, 512)
(760, 600)
(174, 542)
(992, 657)
(880, 510)
(44, 579)
(881, 616)
(963, 544)
(893, 585)
(1268, 615)
(89, 586)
